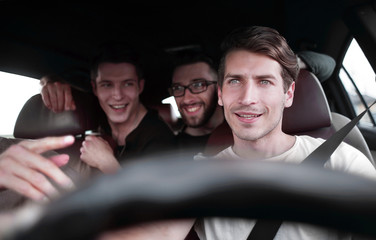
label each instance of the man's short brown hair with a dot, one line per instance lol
(262, 40)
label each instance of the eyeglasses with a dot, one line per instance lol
(195, 88)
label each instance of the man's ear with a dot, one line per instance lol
(219, 91)
(141, 84)
(94, 87)
(289, 95)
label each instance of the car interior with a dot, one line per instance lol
(58, 38)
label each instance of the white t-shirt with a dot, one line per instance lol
(346, 158)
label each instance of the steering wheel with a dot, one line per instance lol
(157, 188)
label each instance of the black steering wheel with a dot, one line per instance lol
(155, 189)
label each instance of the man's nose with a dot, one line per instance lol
(249, 95)
(117, 93)
(188, 95)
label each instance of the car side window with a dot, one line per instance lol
(358, 78)
(15, 90)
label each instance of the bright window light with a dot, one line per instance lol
(171, 100)
(15, 90)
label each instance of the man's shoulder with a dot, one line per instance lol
(227, 153)
(308, 141)
(343, 147)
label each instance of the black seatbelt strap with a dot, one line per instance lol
(326, 149)
(267, 229)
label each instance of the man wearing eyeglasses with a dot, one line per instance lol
(194, 87)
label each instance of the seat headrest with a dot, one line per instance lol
(35, 120)
(310, 109)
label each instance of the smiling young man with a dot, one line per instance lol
(194, 87)
(117, 82)
(256, 83)
(254, 95)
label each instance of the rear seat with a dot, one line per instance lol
(37, 121)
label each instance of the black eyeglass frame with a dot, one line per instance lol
(207, 82)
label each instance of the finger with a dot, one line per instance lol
(22, 187)
(59, 91)
(46, 97)
(49, 143)
(28, 182)
(16, 177)
(69, 102)
(53, 97)
(41, 164)
(60, 160)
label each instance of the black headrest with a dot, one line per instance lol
(310, 109)
(35, 120)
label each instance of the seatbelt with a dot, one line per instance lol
(267, 229)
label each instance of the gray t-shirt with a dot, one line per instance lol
(345, 158)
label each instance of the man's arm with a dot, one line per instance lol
(23, 169)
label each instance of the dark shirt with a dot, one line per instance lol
(151, 136)
(209, 144)
(195, 144)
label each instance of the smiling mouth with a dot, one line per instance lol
(118, 106)
(249, 116)
(192, 109)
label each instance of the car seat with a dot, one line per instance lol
(309, 115)
(35, 120)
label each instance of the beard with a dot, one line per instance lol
(201, 120)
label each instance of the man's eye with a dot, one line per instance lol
(177, 88)
(265, 82)
(198, 84)
(234, 81)
(128, 84)
(105, 85)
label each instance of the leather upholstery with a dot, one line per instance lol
(35, 120)
(310, 109)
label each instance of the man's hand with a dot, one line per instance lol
(57, 95)
(23, 169)
(162, 230)
(97, 152)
